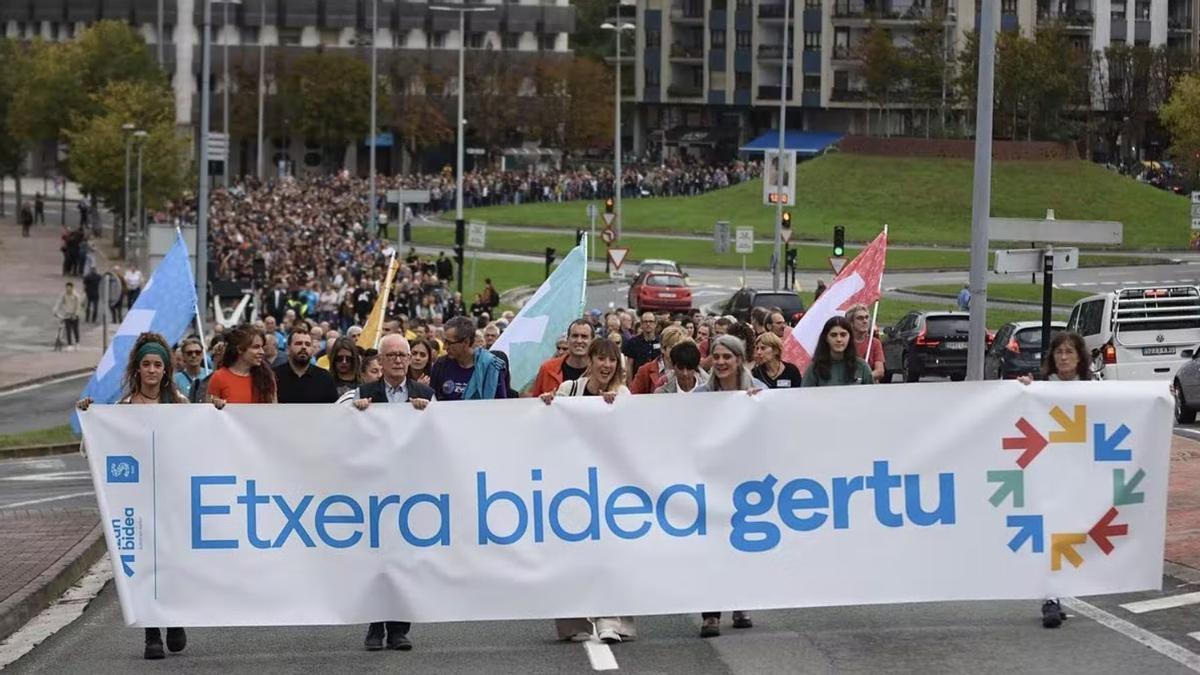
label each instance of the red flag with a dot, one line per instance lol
(859, 282)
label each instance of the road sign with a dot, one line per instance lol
(617, 256)
(414, 196)
(744, 243)
(218, 146)
(1196, 197)
(592, 211)
(721, 237)
(474, 151)
(393, 196)
(1055, 231)
(476, 235)
(786, 234)
(609, 218)
(1195, 223)
(608, 235)
(1195, 210)
(1026, 260)
(774, 189)
(836, 263)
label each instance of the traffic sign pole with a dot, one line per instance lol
(1047, 296)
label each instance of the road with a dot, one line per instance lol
(46, 483)
(47, 405)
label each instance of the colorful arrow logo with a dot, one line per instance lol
(1030, 441)
(1103, 530)
(1063, 546)
(1108, 448)
(1124, 493)
(1012, 482)
(1030, 529)
(1073, 430)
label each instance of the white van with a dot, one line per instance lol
(1142, 333)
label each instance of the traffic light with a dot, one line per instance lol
(549, 260)
(608, 205)
(839, 241)
(460, 232)
(460, 240)
(578, 236)
(786, 222)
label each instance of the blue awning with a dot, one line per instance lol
(802, 142)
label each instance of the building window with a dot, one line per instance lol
(716, 80)
(475, 40)
(741, 81)
(512, 40)
(549, 41)
(652, 77)
(718, 39)
(744, 39)
(399, 39)
(812, 83)
(812, 41)
(1118, 9)
(1008, 6)
(289, 37)
(439, 39)
(653, 39)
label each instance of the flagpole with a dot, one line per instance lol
(583, 242)
(875, 309)
(196, 308)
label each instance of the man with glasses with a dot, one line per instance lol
(466, 372)
(860, 320)
(393, 387)
(643, 347)
(193, 370)
(297, 380)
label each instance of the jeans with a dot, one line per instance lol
(71, 324)
(93, 305)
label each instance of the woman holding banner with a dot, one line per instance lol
(149, 380)
(834, 361)
(243, 376)
(603, 377)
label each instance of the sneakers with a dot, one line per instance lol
(1052, 614)
(154, 645)
(581, 636)
(374, 641)
(399, 642)
(176, 639)
(742, 620)
(609, 636)
(710, 628)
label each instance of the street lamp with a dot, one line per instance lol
(776, 256)
(140, 138)
(127, 128)
(617, 29)
(262, 88)
(202, 193)
(459, 222)
(225, 85)
(374, 89)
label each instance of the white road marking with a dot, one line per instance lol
(1184, 657)
(1194, 636)
(40, 464)
(1067, 285)
(55, 476)
(31, 502)
(1169, 602)
(600, 655)
(39, 385)
(58, 615)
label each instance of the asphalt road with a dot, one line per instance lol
(46, 483)
(977, 637)
(44, 406)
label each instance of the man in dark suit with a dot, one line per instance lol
(275, 301)
(393, 387)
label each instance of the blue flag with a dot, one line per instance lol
(166, 305)
(529, 339)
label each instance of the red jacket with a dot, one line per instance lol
(549, 376)
(649, 377)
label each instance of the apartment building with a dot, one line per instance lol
(709, 73)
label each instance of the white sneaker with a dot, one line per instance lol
(581, 636)
(609, 636)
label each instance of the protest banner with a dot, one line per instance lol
(512, 509)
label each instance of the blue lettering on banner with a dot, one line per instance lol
(127, 531)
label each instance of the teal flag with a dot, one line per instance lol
(529, 339)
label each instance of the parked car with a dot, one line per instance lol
(660, 291)
(1017, 349)
(927, 343)
(1143, 333)
(745, 300)
(660, 266)
(1186, 387)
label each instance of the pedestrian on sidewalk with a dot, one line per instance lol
(148, 380)
(67, 309)
(91, 290)
(26, 220)
(133, 285)
(964, 298)
(116, 294)
(39, 209)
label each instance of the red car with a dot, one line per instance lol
(660, 291)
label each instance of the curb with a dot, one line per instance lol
(909, 291)
(45, 378)
(17, 610)
(28, 451)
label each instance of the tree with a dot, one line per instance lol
(328, 97)
(415, 115)
(883, 69)
(12, 147)
(574, 108)
(1181, 117)
(927, 67)
(1129, 95)
(97, 159)
(967, 81)
(1013, 84)
(493, 79)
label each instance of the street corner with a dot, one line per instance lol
(1183, 503)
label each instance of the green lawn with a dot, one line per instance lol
(923, 200)
(697, 253)
(1008, 292)
(506, 274)
(51, 436)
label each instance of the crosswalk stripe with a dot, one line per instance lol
(1169, 602)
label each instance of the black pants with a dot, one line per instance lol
(131, 296)
(115, 312)
(93, 305)
(72, 330)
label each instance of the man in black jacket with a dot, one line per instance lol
(393, 387)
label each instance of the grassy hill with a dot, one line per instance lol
(925, 201)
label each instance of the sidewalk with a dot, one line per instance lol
(1183, 504)
(31, 279)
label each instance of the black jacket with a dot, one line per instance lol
(377, 391)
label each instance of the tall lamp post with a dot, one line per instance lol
(119, 236)
(140, 139)
(617, 28)
(777, 256)
(262, 88)
(202, 193)
(374, 89)
(459, 222)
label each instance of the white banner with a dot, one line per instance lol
(262, 515)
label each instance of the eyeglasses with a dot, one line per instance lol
(395, 356)
(449, 342)
(344, 359)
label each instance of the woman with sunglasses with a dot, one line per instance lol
(345, 364)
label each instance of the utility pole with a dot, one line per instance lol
(783, 94)
(202, 196)
(982, 192)
(262, 87)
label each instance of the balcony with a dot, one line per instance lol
(682, 52)
(684, 91)
(1179, 24)
(845, 53)
(770, 52)
(848, 95)
(861, 11)
(689, 11)
(772, 12)
(1078, 19)
(769, 92)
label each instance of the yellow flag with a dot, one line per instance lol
(369, 338)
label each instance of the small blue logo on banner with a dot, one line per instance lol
(127, 564)
(122, 469)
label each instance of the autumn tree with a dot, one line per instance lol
(1181, 117)
(328, 97)
(415, 115)
(927, 68)
(883, 70)
(12, 146)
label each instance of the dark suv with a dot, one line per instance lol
(745, 300)
(927, 343)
